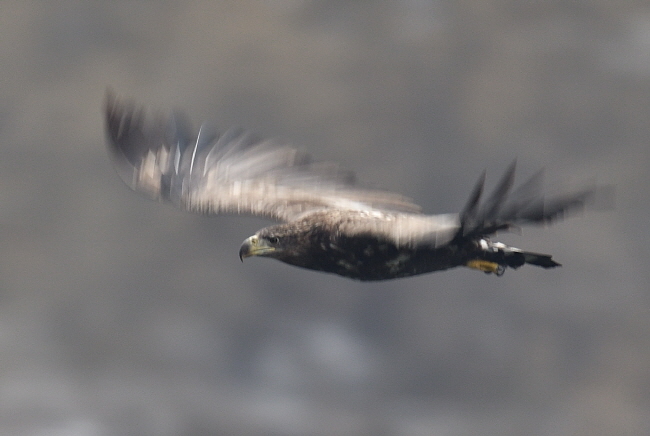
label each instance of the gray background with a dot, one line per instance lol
(121, 316)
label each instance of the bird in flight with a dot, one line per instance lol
(327, 222)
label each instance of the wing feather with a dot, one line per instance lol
(162, 157)
(502, 210)
(525, 205)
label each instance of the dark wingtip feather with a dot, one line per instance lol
(494, 204)
(472, 203)
(525, 205)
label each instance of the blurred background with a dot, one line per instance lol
(122, 316)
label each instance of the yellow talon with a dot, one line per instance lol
(483, 265)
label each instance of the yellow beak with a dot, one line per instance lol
(254, 246)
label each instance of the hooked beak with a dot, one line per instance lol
(254, 246)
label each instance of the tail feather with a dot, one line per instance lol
(496, 257)
(515, 257)
(543, 260)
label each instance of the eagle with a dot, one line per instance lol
(326, 221)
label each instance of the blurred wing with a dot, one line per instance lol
(505, 208)
(525, 205)
(163, 158)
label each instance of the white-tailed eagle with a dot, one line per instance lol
(327, 222)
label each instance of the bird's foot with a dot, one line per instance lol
(486, 266)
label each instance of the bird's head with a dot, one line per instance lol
(283, 242)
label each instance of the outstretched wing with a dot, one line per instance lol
(165, 159)
(503, 209)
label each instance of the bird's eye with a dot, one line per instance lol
(273, 239)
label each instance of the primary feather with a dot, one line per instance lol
(231, 173)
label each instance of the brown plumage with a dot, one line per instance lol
(328, 223)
